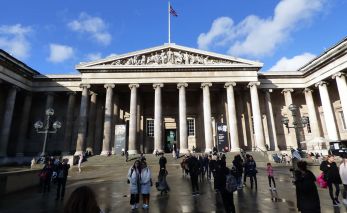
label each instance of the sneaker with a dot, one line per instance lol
(270, 188)
(274, 188)
(337, 201)
(133, 207)
(334, 203)
(344, 201)
(136, 205)
(145, 206)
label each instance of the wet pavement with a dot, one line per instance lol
(109, 183)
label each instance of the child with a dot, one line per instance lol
(270, 175)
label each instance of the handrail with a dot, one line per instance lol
(262, 151)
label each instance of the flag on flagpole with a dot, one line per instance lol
(173, 12)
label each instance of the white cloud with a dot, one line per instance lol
(93, 56)
(292, 64)
(94, 26)
(255, 36)
(60, 53)
(13, 38)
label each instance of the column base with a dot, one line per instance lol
(105, 153)
(235, 150)
(78, 153)
(133, 152)
(208, 150)
(184, 151)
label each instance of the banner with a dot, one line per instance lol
(120, 138)
(222, 137)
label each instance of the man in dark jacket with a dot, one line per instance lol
(194, 171)
(62, 173)
(162, 161)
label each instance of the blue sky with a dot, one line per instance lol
(53, 36)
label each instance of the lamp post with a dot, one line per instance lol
(44, 129)
(295, 124)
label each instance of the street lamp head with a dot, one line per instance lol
(292, 107)
(304, 120)
(49, 111)
(38, 125)
(285, 120)
(57, 125)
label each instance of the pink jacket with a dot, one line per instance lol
(270, 171)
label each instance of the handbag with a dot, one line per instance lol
(321, 181)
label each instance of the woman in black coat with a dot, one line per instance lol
(332, 176)
(306, 190)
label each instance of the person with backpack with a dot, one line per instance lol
(332, 176)
(228, 185)
(251, 171)
(306, 190)
(62, 172)
(134, 177)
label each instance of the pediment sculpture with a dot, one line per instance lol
(169, 56)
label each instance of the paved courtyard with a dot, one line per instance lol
(108, 180)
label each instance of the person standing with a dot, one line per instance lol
(162, 161)
(227, 197)
(162, 185)
(238, 165)
(134, 181)
(306, 189)
(46, 176)
(194, 170)
(80, 159)
(146, 184)
(251, 171)
(270, 176)
(62, 173)
(343, 175)
(332, 176)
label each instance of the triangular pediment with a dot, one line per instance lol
(168, 55)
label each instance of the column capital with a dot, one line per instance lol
(71, 93)
(206, 84)
(182, 84)
(321, 83)
(109, 86)
(228, 84)
(307, 90)
(85, 86)
(134, 85)
(338, 75)
(156, 85)
(287, 90)
(253, 83)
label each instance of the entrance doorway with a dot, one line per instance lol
(170, 139)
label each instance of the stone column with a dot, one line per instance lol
(108, 119)
(207, 116)
(24, 124)
(271, 120)
(257, 120)
(183, 128)
(158, 120)
(69, 122)
(7, 120)
(49, 100)
(328, 110)
(133, 119)
(91, 123)
(287, 93)
(81, 136)
(312, 114)
(342, 87)
(232, 118)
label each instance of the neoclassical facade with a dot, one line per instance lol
(173, 94)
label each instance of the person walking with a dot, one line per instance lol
(251, 171)
(62, 173)
(162, 161)
(162, 185)
(343, 175)
(134, 177)
(194, 171)
(270, 176)
(46, 176)
(238, 166)
(332, 176)
(306, 189)
(227, 196)
(146, 184)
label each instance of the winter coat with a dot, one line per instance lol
(306, 192)
(343, 173)
(331, 172)
(146, 180)
(237, 163)
(134, 180)
(162, 183)
(251, 168)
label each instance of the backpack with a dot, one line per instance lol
(231, 184)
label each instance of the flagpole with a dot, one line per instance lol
(169, 23)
